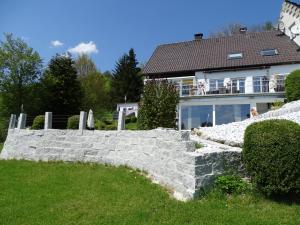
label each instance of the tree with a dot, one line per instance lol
(127, 80)
(84, 65)
(62, 92)
(96, 92)
(20, 69)
(158, 105)
(234, 28)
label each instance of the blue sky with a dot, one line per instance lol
(108, 28)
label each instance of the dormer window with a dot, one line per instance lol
(238, 55)
(269, 52)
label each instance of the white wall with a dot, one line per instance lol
(248, 74)
(290, 16)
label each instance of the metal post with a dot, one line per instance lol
(12, 121)
(22, 121)
(82, 120)
(121, 120)
(48, 121)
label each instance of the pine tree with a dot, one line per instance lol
(127, 80)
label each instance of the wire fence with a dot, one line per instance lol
(60, 121)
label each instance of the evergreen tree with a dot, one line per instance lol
(127, 80)
(62, 92)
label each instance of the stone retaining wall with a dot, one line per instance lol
(168, 156)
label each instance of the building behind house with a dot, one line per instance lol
(289, 21)
(221, 79)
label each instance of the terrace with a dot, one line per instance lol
(189, 87)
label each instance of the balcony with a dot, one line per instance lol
(258, 85)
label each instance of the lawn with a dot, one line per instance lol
(61, 193)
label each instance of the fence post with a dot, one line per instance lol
(48, 120)
(121, 120)
(12, 121)
(22, 121)
(82, 121)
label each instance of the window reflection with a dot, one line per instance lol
(231, 113)
(196, 116)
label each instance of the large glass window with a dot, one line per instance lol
(196, 116)
(231, 113)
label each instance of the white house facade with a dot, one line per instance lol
(221, 79)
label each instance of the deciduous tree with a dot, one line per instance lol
(20, 69)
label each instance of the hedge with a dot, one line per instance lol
(38, 122)
(73, 122)
(271, 154)
(292, 86)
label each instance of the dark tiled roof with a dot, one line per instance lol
(212, 54)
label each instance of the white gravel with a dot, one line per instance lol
(233, 134)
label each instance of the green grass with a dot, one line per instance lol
(60, 193)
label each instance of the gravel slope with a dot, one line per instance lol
(233, 134)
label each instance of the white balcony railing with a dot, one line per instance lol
(256, 87)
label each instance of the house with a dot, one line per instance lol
(129, 108)
(289, 22)
(221, 79)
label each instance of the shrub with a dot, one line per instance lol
(99, 125)
(277, 105)
(111, 127)
(133, 120)
(73, 122)
(292, 86)
(38, 122)
(158, 105)
(231, 184)
(271, 154)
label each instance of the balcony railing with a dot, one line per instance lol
(192, 90)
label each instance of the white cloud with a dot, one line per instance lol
(56, 43)
(84, 48)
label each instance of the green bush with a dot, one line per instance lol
(105, 125)
(133, 119)
(38, 123)
(73, 122)
(111, 127)
(99, 125)
(231, 184)
(271, 154)
(158, 105)
(292, 86)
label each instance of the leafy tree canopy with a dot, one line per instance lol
(85, 65)
(20, 69)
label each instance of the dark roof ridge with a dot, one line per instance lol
(220, 38)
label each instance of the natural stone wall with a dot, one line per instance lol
(168, 156)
